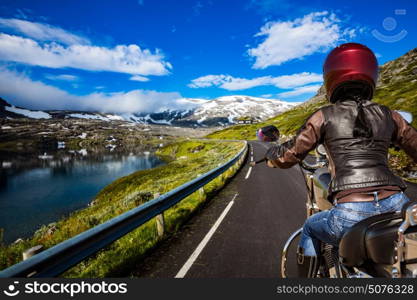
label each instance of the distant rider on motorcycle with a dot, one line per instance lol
(356, 134)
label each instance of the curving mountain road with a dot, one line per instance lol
(241, 231)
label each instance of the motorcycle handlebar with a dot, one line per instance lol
(304, 164)
(254, 163)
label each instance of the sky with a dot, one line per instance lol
(147, 55)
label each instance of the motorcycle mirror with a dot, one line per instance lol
(268, 134)
(321, 150)
(406, 115)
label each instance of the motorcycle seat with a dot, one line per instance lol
(372, 239)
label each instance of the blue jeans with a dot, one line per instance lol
(329, 226)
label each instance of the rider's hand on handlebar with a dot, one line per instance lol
(271, 164)
(268, 163)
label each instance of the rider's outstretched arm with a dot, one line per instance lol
(405, 135)
(295, 150)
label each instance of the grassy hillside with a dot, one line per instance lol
(187, 160)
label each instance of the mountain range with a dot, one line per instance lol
(222, 111)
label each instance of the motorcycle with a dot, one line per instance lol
(384, 245)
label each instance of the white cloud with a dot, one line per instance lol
(42, 32)
(288, 40)
(235, 84)
(20, 90)
(63, 77)
(139, 78)
(209, 80)
(232, 83)
(300, 91)
(298, 79)
(129, 59)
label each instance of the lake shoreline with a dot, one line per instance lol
(37, 193)
(188, 159)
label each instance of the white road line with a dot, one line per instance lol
(248, 174)
(203, 243)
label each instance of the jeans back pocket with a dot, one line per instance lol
(342, 219)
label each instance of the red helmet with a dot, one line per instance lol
(268, 134)
(350, 63)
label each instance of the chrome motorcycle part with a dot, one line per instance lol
(410, 219)
(285, 251)
(321, 150)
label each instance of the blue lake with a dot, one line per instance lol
(52, 188)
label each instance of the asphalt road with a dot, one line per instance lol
(240, 233)
(268, 205)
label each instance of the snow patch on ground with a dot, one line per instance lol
(161, 122)
(88, 116)
(61, 145)
(6, 164)
(28, 113)
(115, 118)
(83, 152)
(202, 119)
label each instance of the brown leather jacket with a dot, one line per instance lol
(351, 163)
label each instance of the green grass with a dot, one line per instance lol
(188, 159)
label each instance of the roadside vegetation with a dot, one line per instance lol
(185, 161)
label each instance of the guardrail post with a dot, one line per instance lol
(160, 221)
(32, 251)
(201, 192)
(160, 224)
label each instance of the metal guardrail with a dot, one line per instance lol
(61, 257)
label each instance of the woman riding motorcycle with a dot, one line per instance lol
(356, 134)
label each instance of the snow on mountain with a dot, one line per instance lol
(233, 108)
(220, 112)
(196, 112)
